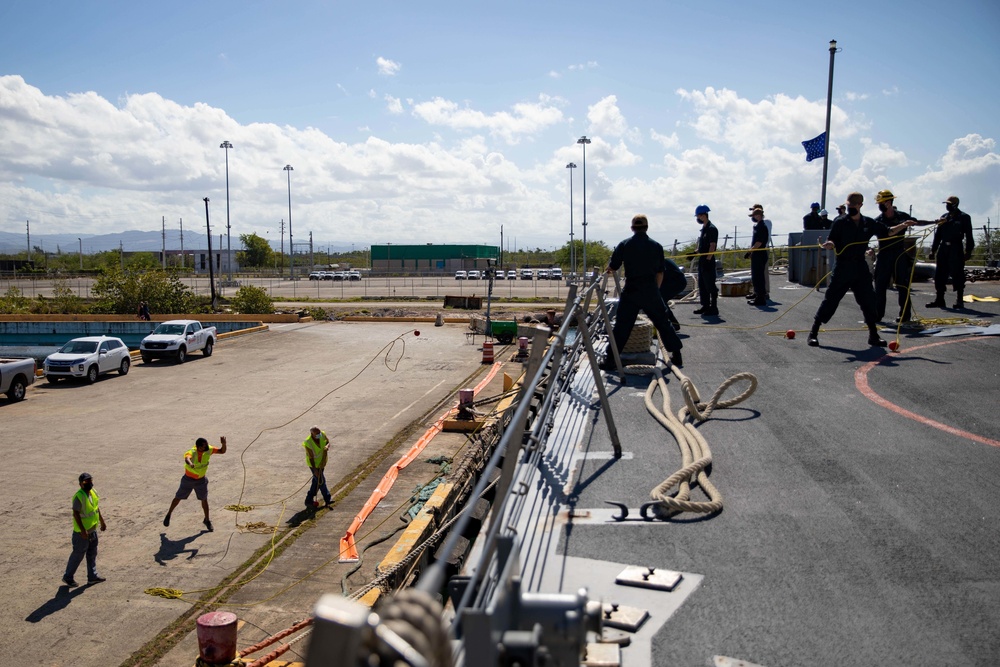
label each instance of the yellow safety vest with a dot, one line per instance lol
(199, 468)
(88, 510)
(318, 451)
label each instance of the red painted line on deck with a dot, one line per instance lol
(861, 382)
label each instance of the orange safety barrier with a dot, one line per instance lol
(487, 352)
(348, 549)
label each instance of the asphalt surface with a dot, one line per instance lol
(263, 391)
(854, 532)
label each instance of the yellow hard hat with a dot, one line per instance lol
(884, 196)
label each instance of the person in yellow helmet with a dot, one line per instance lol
(195, 467)
(893, 263)
(86, 517)
(317, 447)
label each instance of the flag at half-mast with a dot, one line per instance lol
(815, 148)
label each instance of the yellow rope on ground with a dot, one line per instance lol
(168, 593)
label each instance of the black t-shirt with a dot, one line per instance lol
(889, 244)
(957, 226)
(851, 239)
(760, 234)
(709, 235)
(642, 256)
(814, 221)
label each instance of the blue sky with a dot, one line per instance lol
(441, 121)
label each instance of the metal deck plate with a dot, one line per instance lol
(649, 577)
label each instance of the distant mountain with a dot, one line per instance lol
(131, 241)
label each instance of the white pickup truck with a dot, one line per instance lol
(177, 339)
(15, 376)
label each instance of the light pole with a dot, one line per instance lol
(829, 102)
(229, 243)
(572, 247)
(291, 248)
(81, 252)
(211, 270)
(584, 141)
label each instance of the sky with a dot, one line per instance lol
(441, 122)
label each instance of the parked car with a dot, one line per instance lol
(555, 274)
(500, 275)
(354, 275)
(543, 274)
(316, 275)
(15, 376)
(461, 275)
(512, 275)
(177, 339)
(475, 274)
(88, 357)
(527, 274)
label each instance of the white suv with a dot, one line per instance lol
(87, 358)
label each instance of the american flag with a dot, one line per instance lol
(815, 148)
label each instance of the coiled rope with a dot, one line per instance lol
(696, 456)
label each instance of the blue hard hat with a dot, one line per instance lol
(815, 204)
(702, 209)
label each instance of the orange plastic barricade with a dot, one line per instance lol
(348, 549)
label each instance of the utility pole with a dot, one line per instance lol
(163, 235)
(182, 241)
(27, 224)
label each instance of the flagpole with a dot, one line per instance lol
(829, 103)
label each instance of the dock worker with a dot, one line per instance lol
(643, 261)
(195, 467)
(86, 518)
(849, 236)
(317, 447)
(708, 241)
(954, 228)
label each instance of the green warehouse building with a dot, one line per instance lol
(431, 258)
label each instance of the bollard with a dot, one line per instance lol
(217, 637)
(522, 347)
(439, 322)
(488, 352)
(466, 397)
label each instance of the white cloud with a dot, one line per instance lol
(524, 120)
(724, 117)
(606, 118)
(590, 64)
(668, 142)
(387, 67)
(393, 104)
(80, 163)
